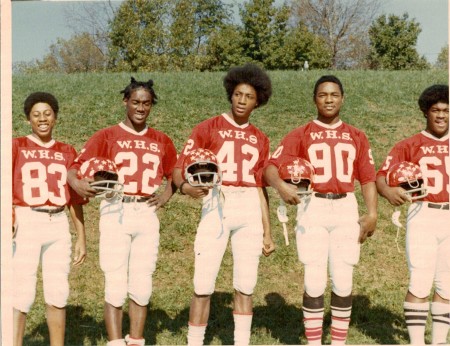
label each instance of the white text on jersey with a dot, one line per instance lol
(440, 149)
(238, 135)
(330, 134)
(137, 144)
(42, 154)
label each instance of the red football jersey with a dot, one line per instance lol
(143, 159)
(432, 155)
(241, 150)
(40, 173)
(340, 153)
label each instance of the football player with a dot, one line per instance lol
(329, 229)
(40, 197)
(129, 225)
(427, 228)
(240, 210)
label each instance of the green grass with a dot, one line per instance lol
(383, 104)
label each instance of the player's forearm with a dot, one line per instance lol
(72, 177)
(77, 216)
(177, 178)
(370, 196)
(264, 201)
(272, 177)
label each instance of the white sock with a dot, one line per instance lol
(116, 342)
(131, 341)
(196, 334)
(416, 318)
(441, 322)
(242, 328)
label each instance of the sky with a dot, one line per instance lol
(38, 24)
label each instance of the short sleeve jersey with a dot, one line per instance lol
(241, 150)
(432, 155)
(340, 153)
(143, 159)
(40, 173)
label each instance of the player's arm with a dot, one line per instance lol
(80, 186)
(161, 199)
(395, 195)
(185, 188)
(268, 244)
(368, 221)
(77, 216)
(287, 192)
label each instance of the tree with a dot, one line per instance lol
(139, 36)
(393, 43)
(225, 48)
(300, 45)
(343, 24)
(442, 59)
(264, 29)
(193, 22)
(78, 54)
(92, 17)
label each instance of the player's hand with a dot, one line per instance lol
(195, 191)
(268, 246)
(83, 188)
(157, 200)
(397, 196)
(367, 225)
(288, 193)
(80, 250)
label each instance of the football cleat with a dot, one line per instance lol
(408, 176)
(103, 176)
(201, 168)
(299, 172)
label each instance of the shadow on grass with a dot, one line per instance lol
(281, 320)
(377, 322)
(80, 329)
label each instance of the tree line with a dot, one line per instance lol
(206, 35)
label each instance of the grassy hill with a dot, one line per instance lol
(383, 104)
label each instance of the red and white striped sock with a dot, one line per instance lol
(196, 334)
(313, 321)
(340, 320)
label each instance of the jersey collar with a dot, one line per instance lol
(130, 130)
(40, 143)
(232, 122)
(332, 126)
(429, 135)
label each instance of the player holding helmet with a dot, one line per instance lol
(239, 210)
(40, 194)
(428, 232)
(329, 229)
(129, 226)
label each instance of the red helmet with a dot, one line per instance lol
(103, 176)
(408, 176)
(299, 172)
(200, 168)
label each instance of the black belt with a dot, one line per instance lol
(138, 199)
(330, 195)
(438, 206)
(48, 210)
